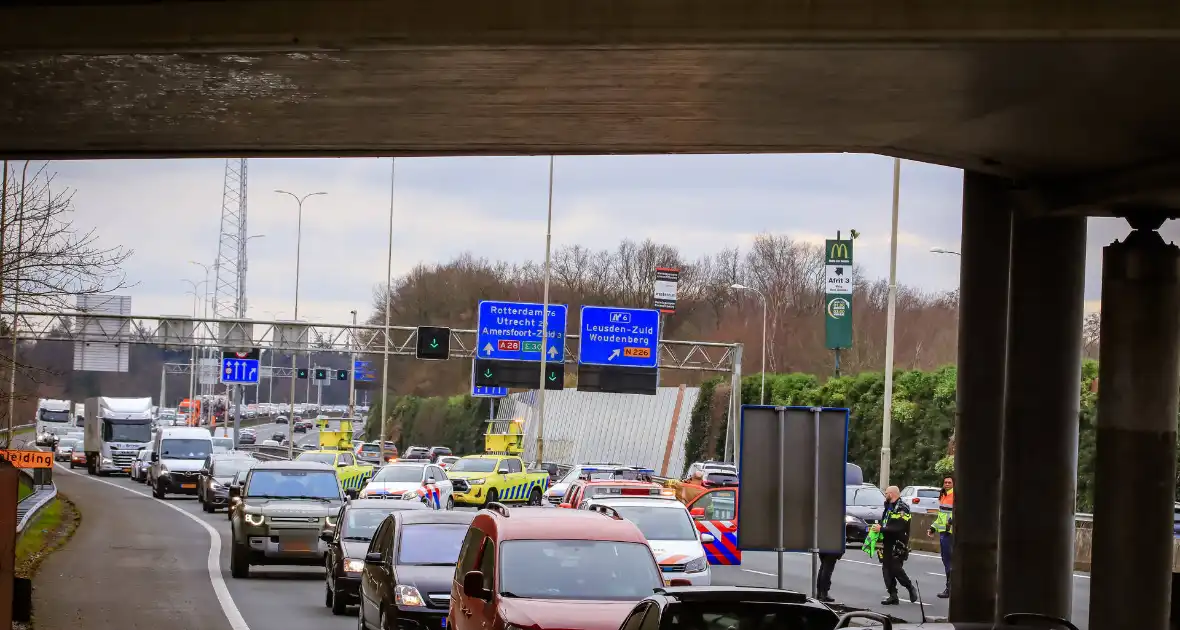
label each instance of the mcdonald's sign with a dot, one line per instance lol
(837, 252)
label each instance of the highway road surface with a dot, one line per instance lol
(138, 563)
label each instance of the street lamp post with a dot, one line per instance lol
(298, 251)
(205, 350)
(890, 320)
(192, 355)
(762, 389)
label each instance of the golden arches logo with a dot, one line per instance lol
(839, 251)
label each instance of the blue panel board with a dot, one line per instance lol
(511, 331)
(625, 337)
(364, 371)
(483, 391)
(239, 371)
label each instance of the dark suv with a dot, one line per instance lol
(348, 543)
(729, 607)
(437, 452)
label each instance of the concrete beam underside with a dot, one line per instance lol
(1004, 89)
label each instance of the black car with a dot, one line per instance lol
(863, 505)
(416, 452)
(437, 452)
(729, 607)
(409, 568)
(348, 544)
(300, 427)
(278, 436)
(216, 475)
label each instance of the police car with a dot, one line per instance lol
(404, 480)
(674, 539)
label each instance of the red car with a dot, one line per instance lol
(545, 569)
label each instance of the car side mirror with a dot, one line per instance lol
(504, 471)
(373, 557)
(707, 538)
(235, 491)
(473, 585)
(326, 536)
(155, 457)
(352, 493)
(341, 464)
(697, 513)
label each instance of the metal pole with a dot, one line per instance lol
(388, 313)
(241, 393)
(352, 369)
(782, 474)
(20, 245)
(163, 371)
(762, 389)
(887, 418)
(545, 325)
(192, 364)
(3, 232)
(814, 511)
(295, 316)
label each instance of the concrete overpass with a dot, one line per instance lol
(1055, 109)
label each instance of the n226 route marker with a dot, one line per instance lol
(511, 331)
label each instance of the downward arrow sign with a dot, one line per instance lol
(488, 348)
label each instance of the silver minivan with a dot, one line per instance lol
(177, 456)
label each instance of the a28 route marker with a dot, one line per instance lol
(619, 350)
(508, 345)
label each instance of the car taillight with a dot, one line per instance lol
(915, 501)
(642, 492)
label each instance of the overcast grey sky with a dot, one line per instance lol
(168, 211)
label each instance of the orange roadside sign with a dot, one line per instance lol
(28, 459)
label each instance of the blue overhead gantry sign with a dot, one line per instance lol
(511, 331)
(623, 337)
(239, 371)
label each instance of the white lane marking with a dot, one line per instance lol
(232, 614)
(932, 573)
(861, 562)
(760, 572)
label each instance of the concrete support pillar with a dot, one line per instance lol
(983, 334)
(1040, 443)
(1139, 388)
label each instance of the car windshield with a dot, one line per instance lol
(746, 616)
(399, 474)
(370, 448)
(577, 569)
(865, 497)
(323, 458)
(67, 443)
(660, 523)
(280, 484)
(434, 544)
(361, 523)
(474, 464)
(185, 448)
(231, 467)
(223, 442)
(928, 494)
(722, 478)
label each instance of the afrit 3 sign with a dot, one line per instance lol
(838, 293)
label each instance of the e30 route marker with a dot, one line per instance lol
(511, 331)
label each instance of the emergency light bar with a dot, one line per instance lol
(623, 491)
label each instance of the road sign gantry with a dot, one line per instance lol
(618, 350)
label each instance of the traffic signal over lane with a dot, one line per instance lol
(527, 374)
(433, 342)
(342, 375)
(300, 372)
(321, 374)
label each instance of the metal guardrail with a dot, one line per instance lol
(45, 491)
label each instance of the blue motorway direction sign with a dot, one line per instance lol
(511, 331)
(625, 337)
(483, 391)
(239, 371)
(364, 371)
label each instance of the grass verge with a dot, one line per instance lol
(23, 491)
(48, 532)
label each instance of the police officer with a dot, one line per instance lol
(894, 548)
(827, 565)
(944, 527)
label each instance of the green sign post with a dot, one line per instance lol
(838, 295)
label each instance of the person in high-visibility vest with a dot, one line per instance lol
(944, 527)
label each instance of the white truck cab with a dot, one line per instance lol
(177, 456)
(53, 419)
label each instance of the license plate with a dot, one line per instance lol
(444, 622)
(188, 486)
(295, 545)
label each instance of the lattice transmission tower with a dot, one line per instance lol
(229, 296)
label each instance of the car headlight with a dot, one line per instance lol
(475, 482)
(409, 495)
(254, 519)
(850, 519)
(330, 520)
(213, 485)
(407, 596)
(354, 566)
(106, 461)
